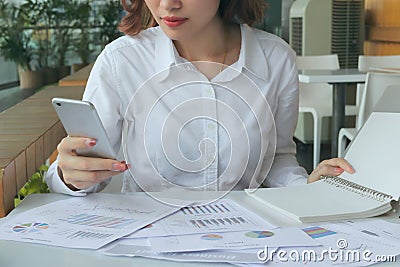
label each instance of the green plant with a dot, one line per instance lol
(110, 14)
(35, 185)
(4, 8)
(15, 46)
(15, 37)
(82, 40)
(60, 16)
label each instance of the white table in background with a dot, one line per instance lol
(339, 79)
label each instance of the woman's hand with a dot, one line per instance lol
(330, 167)
(79, 172)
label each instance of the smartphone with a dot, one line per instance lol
(80, 118)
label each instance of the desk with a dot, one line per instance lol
(16, 254)
(339, 79)
(78, 78)
(29, 133)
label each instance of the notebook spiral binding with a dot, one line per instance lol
(356, 188)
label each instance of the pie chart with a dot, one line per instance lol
(211, 237)
(30, 227)
(259, 234)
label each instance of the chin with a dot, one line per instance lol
(177, 34)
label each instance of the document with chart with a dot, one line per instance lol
(84, 222)
(140, 247)
(223, 215)
(359, 242)
(282, 237)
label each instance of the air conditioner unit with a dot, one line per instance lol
(348, 31)
(310, 27)
(319, 27)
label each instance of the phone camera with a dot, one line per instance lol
(58, 104)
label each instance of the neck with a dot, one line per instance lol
(198, 48)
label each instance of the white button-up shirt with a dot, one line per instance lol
(178, 129)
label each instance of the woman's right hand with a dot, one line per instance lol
(79, 172)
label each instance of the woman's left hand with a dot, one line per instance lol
(330, 167)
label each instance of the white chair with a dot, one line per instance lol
(390, 100)
(316, 98)
(368, 63)
(376, 84)
(365, 63)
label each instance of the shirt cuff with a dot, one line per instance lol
(285, 171)
(56, 184)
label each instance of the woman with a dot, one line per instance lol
(211, 40)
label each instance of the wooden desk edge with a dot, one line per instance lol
(16, 170)
(66, 83)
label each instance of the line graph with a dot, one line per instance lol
(118, 210)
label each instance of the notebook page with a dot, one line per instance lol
(319, 201)
(374, 154)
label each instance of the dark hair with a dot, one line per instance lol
(138, 16)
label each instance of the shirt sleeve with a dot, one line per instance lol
(101, 90)
(56, 185)
(285, 169)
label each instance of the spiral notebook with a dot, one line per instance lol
(374, 154)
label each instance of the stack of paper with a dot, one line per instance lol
(90, 222)
(220, 231)
(193, 234)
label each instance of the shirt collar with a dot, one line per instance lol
(251, 58)
(165, 52)
(251, 55)
(166, 56)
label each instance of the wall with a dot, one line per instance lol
(382, 27)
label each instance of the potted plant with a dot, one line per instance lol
(61, 16)
(50, 73)
(42, 35)
(82, 39)
(16, 41)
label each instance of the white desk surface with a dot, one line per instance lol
(332, 76)
(18, 254)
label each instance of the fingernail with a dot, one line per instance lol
(119, 167)
(352, 170)
(338, 170)
(127, 166)
(90, 142)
